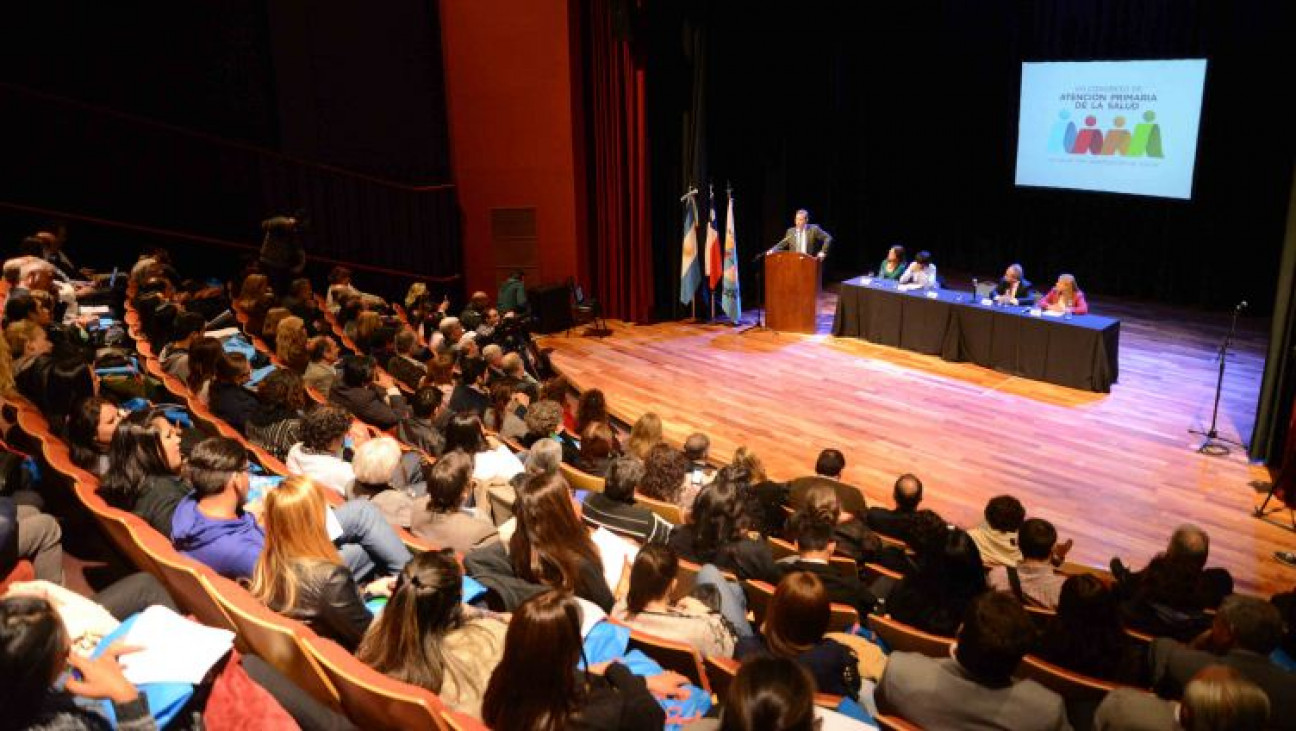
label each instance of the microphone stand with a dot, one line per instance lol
(759, 325)
(1215, 445)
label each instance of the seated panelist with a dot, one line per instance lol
(1013, 289)
(920, 274)
(894, 265)
(1065, 297)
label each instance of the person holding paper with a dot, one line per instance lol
(1065, 298)
(1013, 289)
(921, 274)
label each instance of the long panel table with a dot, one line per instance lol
(1079, 351)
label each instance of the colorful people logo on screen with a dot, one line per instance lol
(1144, 141)
(1062, 137)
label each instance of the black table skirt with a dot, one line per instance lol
(1080, 352)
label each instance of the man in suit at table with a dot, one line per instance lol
(805, 237)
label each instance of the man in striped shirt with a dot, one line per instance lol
(615, 508)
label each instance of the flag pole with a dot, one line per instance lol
(710, 223)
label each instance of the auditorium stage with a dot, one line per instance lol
(1115, 471)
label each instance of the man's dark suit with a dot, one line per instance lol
(817, 240)
(1174, 664)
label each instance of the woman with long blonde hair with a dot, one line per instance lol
(300, 573)
(291, 344)
(1065, 297)
(645, 433)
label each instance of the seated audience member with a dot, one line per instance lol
(320, 455)
(204, 354)
(229, 397)
(644, 435)
(321, 371)
(368, 394)
(1065, 297)
(815, 547)
(515, 369)
(475, 311)
(1013, 289)
(1087, 637)
(270, 328)
(254, 300)
(907, 496)
(558, 390)
(796, 621)
(716, 533)
(894, 265)
(543, 418)
(591, 407)
(469, 395)
(403, 366)
(996, 536)
(493, 354)
(1244, 633)
(665, 470)
(974, 688)
(292, 344)
(828, 471)
(447, 338)
(28, 345)
(1169, 597)
(90, 431)
(189, 326)
(849, 534)
(648, 606)
(605, 697)
(920, 274)
(598, 448)
(948, 576)
(543, 458)
(549, 548)
(420, 430)
(143, 474)
(507, 409)
(339, 280)
(440, 517)
(376, 464)
(615, 508)
(56, 386)
(301, 302)
(766, 497)
(275, 424)
(1218, 698)
(300, 573)
(1033, 581)
(697, 449)
(428, 638)
(217, 526)
(769, 693)
(35, 650)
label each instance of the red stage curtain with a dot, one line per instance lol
(621, 246)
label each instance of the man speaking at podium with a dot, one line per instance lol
(805, 238)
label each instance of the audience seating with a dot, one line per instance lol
(580, 480)
(721, 671)
(843, 617)
(681, 657)
(1071, 686)
(669, 512)
(373, 700)
(901, 637)
(893, 723)
(782, 549)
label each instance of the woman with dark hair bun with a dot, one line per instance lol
(427, 637)
(204, 354)
(648, 606)
(562, 697)
(794, 627)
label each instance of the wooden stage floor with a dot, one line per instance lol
(1116, 472)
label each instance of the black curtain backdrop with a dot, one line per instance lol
(205, 118)
(897, 123)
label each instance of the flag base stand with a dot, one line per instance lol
(596, 332)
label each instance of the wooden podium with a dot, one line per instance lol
(791, 291)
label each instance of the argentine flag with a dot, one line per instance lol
(690, 268)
